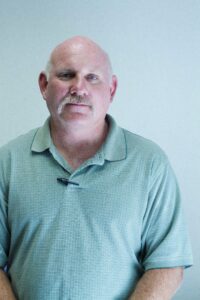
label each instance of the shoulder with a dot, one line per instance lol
(148, 158)
(18, 145)
(143, 148)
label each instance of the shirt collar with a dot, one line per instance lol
(113, 149)
(42, 139)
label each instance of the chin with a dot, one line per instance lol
(75, 118)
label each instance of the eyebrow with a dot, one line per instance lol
(70, 71)
(63, 71)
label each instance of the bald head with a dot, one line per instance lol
(78, 45)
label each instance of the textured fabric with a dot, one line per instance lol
(93, 238)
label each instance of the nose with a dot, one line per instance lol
(78, 87)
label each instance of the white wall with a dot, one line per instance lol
(155, 50)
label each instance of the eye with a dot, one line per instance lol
(66, 75)
(92, 77)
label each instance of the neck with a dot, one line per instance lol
(79, 143)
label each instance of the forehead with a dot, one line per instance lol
(79, 58)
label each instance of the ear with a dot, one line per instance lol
(113, 87)
(42, 80)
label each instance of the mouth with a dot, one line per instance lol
(77, 104)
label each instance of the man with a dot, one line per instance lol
(88, 209)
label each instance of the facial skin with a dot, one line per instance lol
(80, 86)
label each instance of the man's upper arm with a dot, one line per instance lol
(165, 238)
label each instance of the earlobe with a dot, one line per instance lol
(42, 80)
(113, 87)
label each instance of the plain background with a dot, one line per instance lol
(154, 46)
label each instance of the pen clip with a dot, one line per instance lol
(66, 181)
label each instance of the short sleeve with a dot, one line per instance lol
(165, 239)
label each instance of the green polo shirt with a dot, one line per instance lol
(93, 237)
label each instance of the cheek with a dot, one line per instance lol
(102, 103)
(103, 93)
(57, 90)
(106, 98)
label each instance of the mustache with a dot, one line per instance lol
(73, 99)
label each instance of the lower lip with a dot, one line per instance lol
(78, 107)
